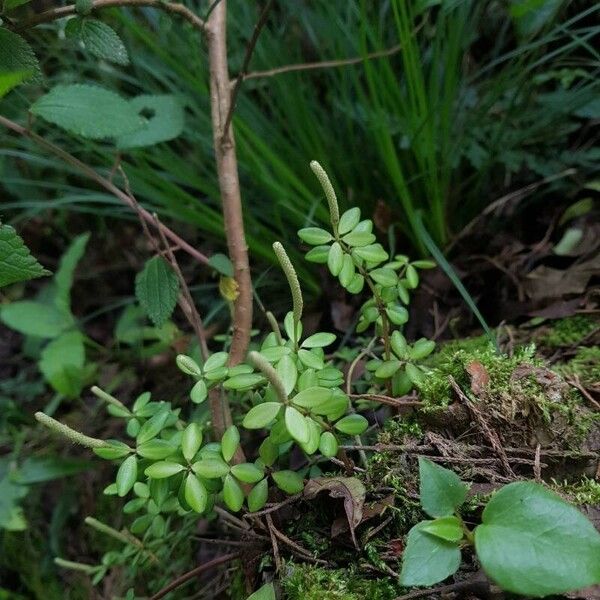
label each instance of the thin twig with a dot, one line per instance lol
(326, 64)
(211, 564)
(274, 507)
(274, 543)
(576, 383)
(64, 11)
(104, 183)
(262, 19)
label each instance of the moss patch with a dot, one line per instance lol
(569, 331)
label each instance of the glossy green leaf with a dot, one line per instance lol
(314, 435)
(215, 361)
(359, 239)
(414, 374)
(247, 472)
(384, 276)
(275, 353)
(199, 392)
(153, 426)
(288, 373)
(296, 425)
(318, 340)
(349, 220)
(156, 449)
(315, 236)
(268, 452)
(312, 396)
(421, 349)
(335, 259)
(328, 444)
(232, 494)
(211, 468)
(126, 475)
(374, 253)
(261, 415)
(445, 528)
(157, 290)
(195, 494)
(441, 490)
(310, 359)
(397, 314)
(427, 559)
(399, 344)
(258, 495)
(532, 542)
(357, 284)
(387, 369)
(352, 424)
(318, 255)
(191, 440)
(230, 442)
(288, 481)
(188, 365)
(88, 110)
(348, 271)
(163, 469)
(246, 381)
(115, 449)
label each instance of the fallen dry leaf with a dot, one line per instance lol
(480, 378)
(350, 489)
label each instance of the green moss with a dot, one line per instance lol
(306, 582)
(585, 365)
(586, 491)
(569, 331)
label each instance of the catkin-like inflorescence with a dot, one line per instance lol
(267, 369)
(75, 436)
(334, 209)
(292, 277)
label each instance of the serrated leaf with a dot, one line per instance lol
(426, 558)
(157, 289)
(166, 122)
(16, 262)
(16, 55)
(532, 542)
(441, 490)
(62, 361)
(89, 111)
(98, 39)
(232, 494)
(261, 415)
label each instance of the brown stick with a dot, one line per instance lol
(194, 573)
(65, 11)
(104, 183)
(229, 185)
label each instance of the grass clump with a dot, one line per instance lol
(583, 492)
(307, 582)
(585, 365)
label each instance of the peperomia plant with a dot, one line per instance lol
(530, 541)
(295, 396)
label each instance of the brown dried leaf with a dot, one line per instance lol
(480, 378)
(350, 489)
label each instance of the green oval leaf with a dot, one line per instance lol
(426, 558)
(199, 392)
(318, 255)
(257, 497)
(195, 494)
(352, 425)
(163, 469)
(245, 381)
(230, 442)
(335, 259)
(261, 415)
(445, 528)
(232, 494)
(191, 440)
(349, 220)
(288, 373)
(328, 444)
(310, 360)
(247, 472)
(115, 449)
(156, 449)
(296, 425)
(314, 236)
(318, 340)
(373, 253)
(387, 369)
(126, 475)
(312, 396)
(211, 468)
(288, 481)
(532, 542)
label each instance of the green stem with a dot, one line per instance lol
(108, 530)
(75, 566)
(100, 393)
